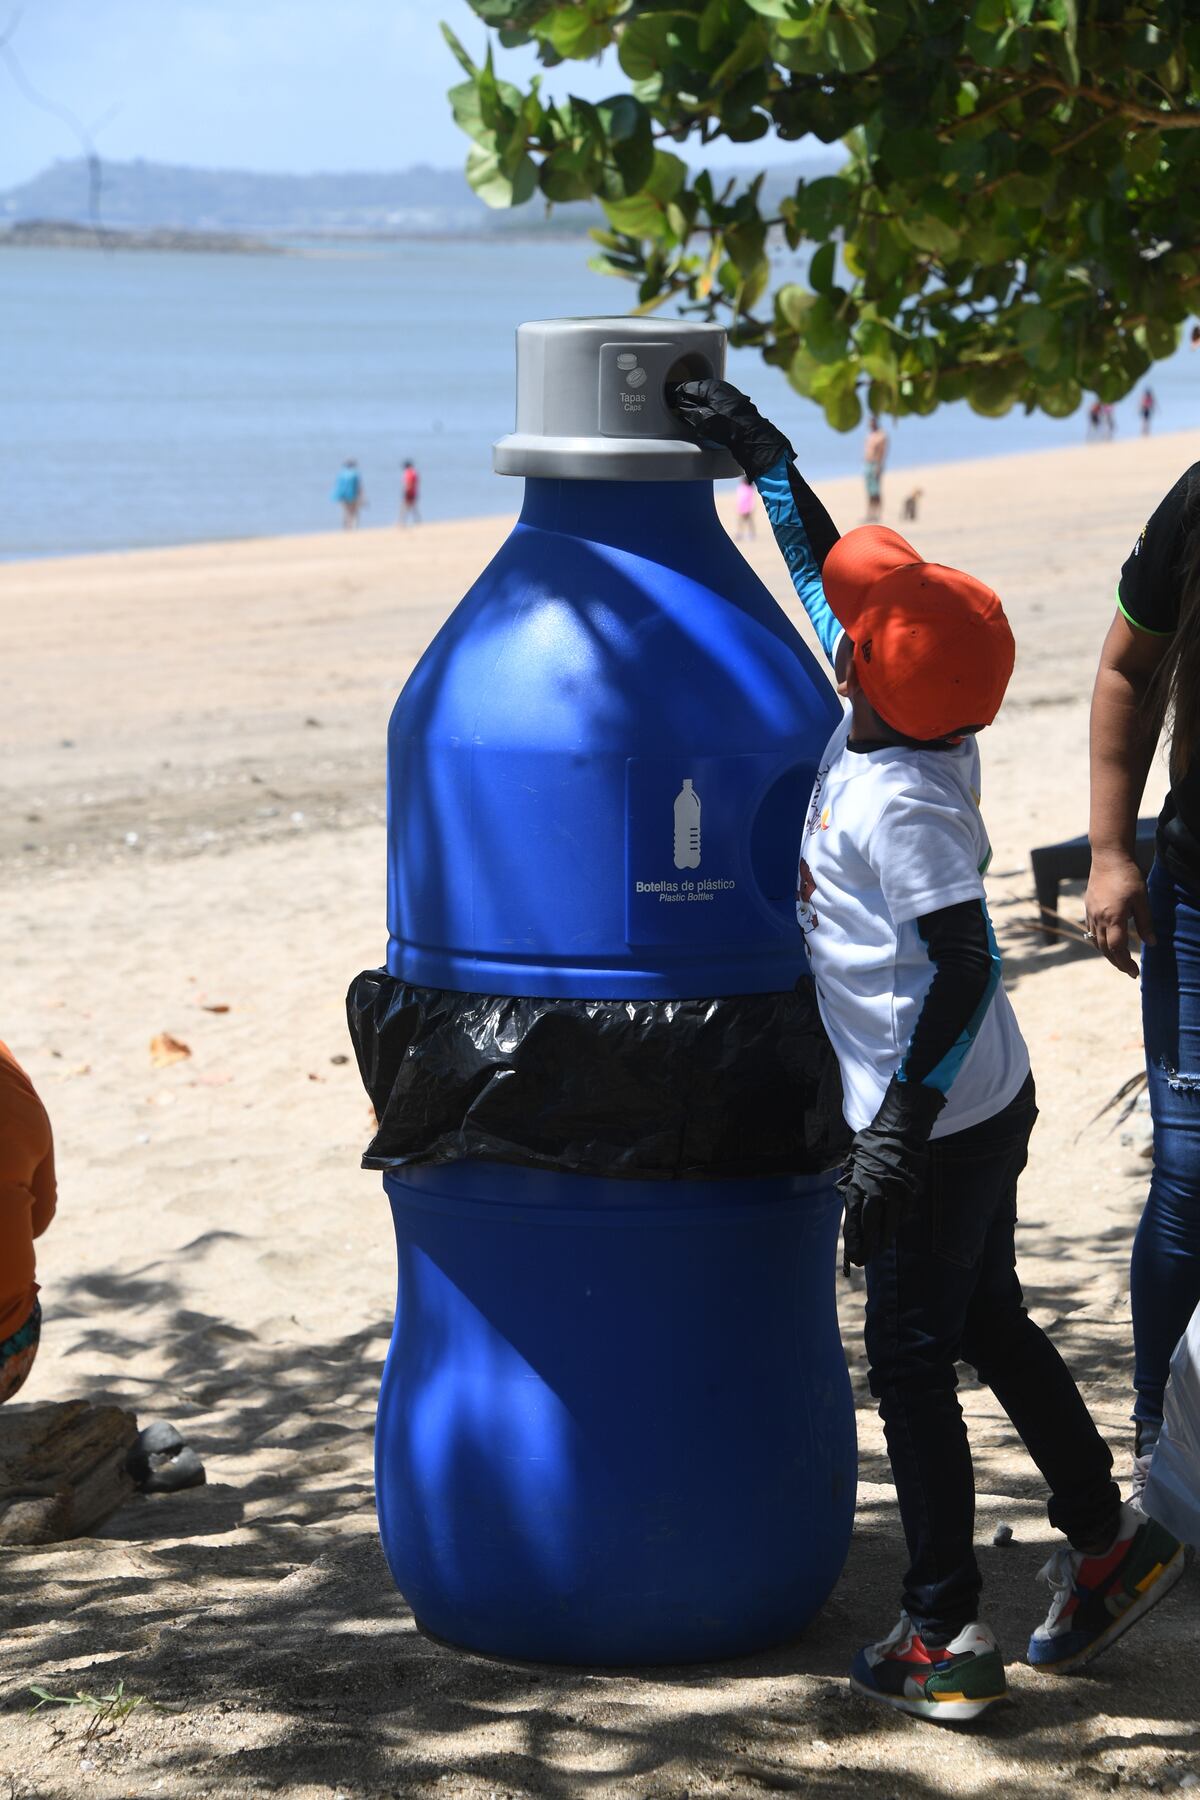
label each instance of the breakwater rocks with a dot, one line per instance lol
(59, 234)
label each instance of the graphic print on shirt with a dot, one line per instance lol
(818, 815)
(818, 820)
(806, 912)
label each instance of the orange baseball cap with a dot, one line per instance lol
(932, 648)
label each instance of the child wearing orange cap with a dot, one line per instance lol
(27, 1200)
(937, 1088)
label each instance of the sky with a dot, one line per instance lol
(270, 85)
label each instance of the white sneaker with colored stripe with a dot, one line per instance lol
(952, 1683)
(1096, 1598)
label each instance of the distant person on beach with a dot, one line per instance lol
(410, 496)
(747, 500)
(1148, 680)
(937, 1089)
(348, 492)
(874, 457)
(1147, 407)
(27, 1200)
(1102, 421)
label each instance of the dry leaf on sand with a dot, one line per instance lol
(166, 1049)
(218, 1006)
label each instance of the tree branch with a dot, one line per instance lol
(1116, 106)
(1125, 108)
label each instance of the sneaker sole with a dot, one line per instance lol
(1162, 1587)
(948, 1712)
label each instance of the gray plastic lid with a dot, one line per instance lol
(591, 401)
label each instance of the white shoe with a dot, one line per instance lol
(1139, 1477)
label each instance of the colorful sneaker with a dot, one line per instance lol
(954, 1683)
(1096, 1598)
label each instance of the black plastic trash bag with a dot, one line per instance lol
(669, 1089)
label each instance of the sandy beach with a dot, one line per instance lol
(192, 841)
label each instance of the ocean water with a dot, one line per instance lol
(167, 398)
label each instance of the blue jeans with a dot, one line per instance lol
(1165, 1275)
(947, 1292)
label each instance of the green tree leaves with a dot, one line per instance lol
(645, 212)
(1017, 221)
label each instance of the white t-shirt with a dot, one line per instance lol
(890, 835)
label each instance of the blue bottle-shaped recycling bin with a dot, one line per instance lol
(615, 1424)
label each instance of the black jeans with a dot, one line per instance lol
(947, 1292)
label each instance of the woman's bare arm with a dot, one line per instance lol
(1122, 749)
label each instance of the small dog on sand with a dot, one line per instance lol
(911, 501)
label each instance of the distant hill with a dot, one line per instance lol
(149, 196)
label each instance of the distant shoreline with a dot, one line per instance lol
(58, 234)
(988, 468)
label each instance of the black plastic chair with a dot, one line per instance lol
(1072, 861)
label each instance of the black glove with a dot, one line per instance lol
(721, 415)
(886, 1169)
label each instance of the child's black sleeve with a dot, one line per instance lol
(819, 528)
(966, 973)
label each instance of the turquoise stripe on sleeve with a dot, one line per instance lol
(942, 1075)
(797, 553)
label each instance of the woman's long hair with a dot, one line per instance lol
(1173, 698)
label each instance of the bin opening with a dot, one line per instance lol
(689, 367)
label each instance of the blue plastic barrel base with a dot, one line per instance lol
(616, 1425)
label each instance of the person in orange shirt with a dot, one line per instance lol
(27, 1201)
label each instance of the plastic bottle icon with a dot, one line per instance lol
(687, 827)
